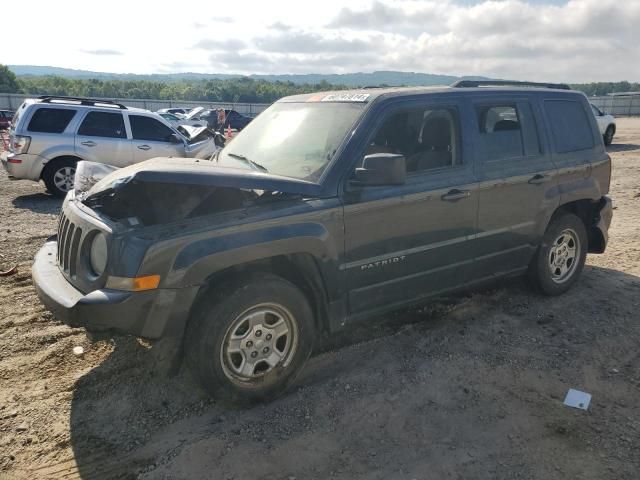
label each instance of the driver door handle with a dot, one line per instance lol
(144, 147)
(89, 143)
(538, 179)
(455, 195)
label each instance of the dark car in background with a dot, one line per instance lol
(5, 118)
(234, 119)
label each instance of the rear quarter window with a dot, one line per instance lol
(570, 126)
(18, 114)
(50, 120)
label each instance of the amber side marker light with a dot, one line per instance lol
(135, 284)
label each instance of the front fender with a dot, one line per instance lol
(200, 259)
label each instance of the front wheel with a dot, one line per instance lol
(561, 256)
(250, 342)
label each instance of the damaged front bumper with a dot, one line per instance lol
(150, 314)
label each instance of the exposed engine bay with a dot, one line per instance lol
(165, 190)
(142, 203)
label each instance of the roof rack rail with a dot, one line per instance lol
(83, 101)
(507, 83)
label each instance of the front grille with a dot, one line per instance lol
(69, 236)
(76, 231)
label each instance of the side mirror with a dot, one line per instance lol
(382, 169)
(175, 138)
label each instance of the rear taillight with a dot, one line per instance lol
(19, 144)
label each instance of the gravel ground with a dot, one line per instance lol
(468, 387)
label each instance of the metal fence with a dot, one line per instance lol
(12, 101)
(618, 105)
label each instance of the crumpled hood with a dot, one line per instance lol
(189, 171)
(164, 190)
(191, 132)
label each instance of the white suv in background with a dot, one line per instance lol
(606, 124)
(49, 135)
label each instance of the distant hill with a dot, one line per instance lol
(369, 79)
(40, 71)
(348, 79)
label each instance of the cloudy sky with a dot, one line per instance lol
(553, 40)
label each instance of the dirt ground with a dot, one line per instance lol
(470, 387)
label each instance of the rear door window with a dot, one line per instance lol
(103, 124)
(507, 130)
(570, 126)
(146, 128)
(50, 120)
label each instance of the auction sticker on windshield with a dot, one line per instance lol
(346, 97)
(340, 97)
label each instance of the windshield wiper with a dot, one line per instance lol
(248, 161)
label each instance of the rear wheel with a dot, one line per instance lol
(58, 176)
(608, 135)
(561, 255)
(250, 342)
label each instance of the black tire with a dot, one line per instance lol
(214, 318)
(608, 135)
(51, 175)
(546, 275)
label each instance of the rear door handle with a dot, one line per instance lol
(89, 143)
(455, 195)
(538, 179)
(144, 147)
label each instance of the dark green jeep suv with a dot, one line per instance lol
(329, 208)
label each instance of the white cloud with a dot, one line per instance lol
(102, 51)
(218, 44)
(574, 41)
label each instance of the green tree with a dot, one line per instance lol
(230, 90)
(8, 81)
(603, 88)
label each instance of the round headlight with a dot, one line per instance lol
(98, 255)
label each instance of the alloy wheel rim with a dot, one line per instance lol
(259, 340)
(563, 256)
(63, 178)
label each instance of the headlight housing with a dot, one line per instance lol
(98, 254)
